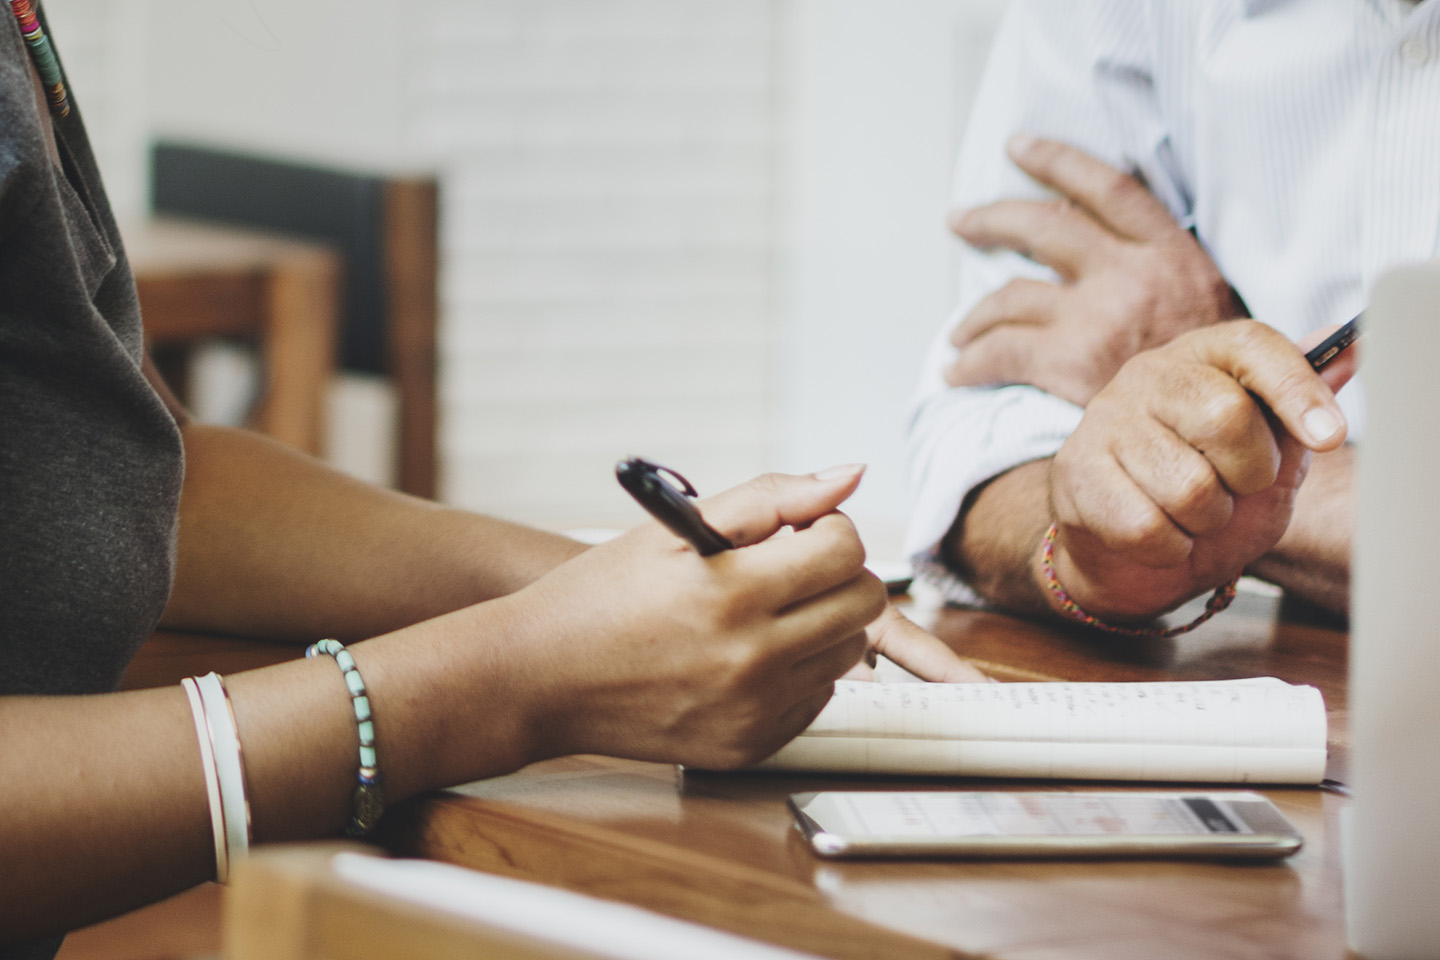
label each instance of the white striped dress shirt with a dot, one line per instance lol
(1299, 138)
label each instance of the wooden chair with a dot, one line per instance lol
(384, 231)
(200, 281)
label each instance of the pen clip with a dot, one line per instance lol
(655, 471)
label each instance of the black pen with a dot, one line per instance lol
(671, 506)
(1335, 344)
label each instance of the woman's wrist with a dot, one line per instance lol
(465, 698)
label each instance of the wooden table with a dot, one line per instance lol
(719, 848)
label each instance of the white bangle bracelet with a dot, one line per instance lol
(212, 778)
(225, 743)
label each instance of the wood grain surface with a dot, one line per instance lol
(720, 849)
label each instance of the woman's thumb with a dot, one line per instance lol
(754, 511)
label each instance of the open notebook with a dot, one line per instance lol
(1235, 731)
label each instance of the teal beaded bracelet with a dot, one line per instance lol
(369, 801)
(1222, 598)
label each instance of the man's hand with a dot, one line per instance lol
(1185, 468)
(1132, 279)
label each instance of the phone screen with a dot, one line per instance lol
(991, 823)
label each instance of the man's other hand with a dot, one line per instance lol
(1131, 279)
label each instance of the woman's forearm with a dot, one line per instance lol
(274, 543)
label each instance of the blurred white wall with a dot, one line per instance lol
(708, 233)
(103, 44)
(322, 80)
(877, 97)
(608, 236)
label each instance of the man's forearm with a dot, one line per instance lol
(994, 541)
(274, 543)
(1312, 559)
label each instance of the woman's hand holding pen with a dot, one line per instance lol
(1185, 467)
(665, 495)
(642, 648)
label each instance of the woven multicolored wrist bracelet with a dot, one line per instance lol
(369, 798)
(1221, 599)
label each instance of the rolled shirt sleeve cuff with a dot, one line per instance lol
(960, 439)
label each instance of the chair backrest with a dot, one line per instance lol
(385, 229)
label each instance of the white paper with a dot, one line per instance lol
(574, 921)
(1225, 731)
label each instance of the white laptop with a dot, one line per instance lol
(1391, 830)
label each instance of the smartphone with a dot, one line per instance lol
(984, 824)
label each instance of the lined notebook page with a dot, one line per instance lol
(1223, 731)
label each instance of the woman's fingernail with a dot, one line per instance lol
(1020, 144)
(835, 473)
(1321, 424)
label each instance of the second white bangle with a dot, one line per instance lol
(212, 779)
(225, 742)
